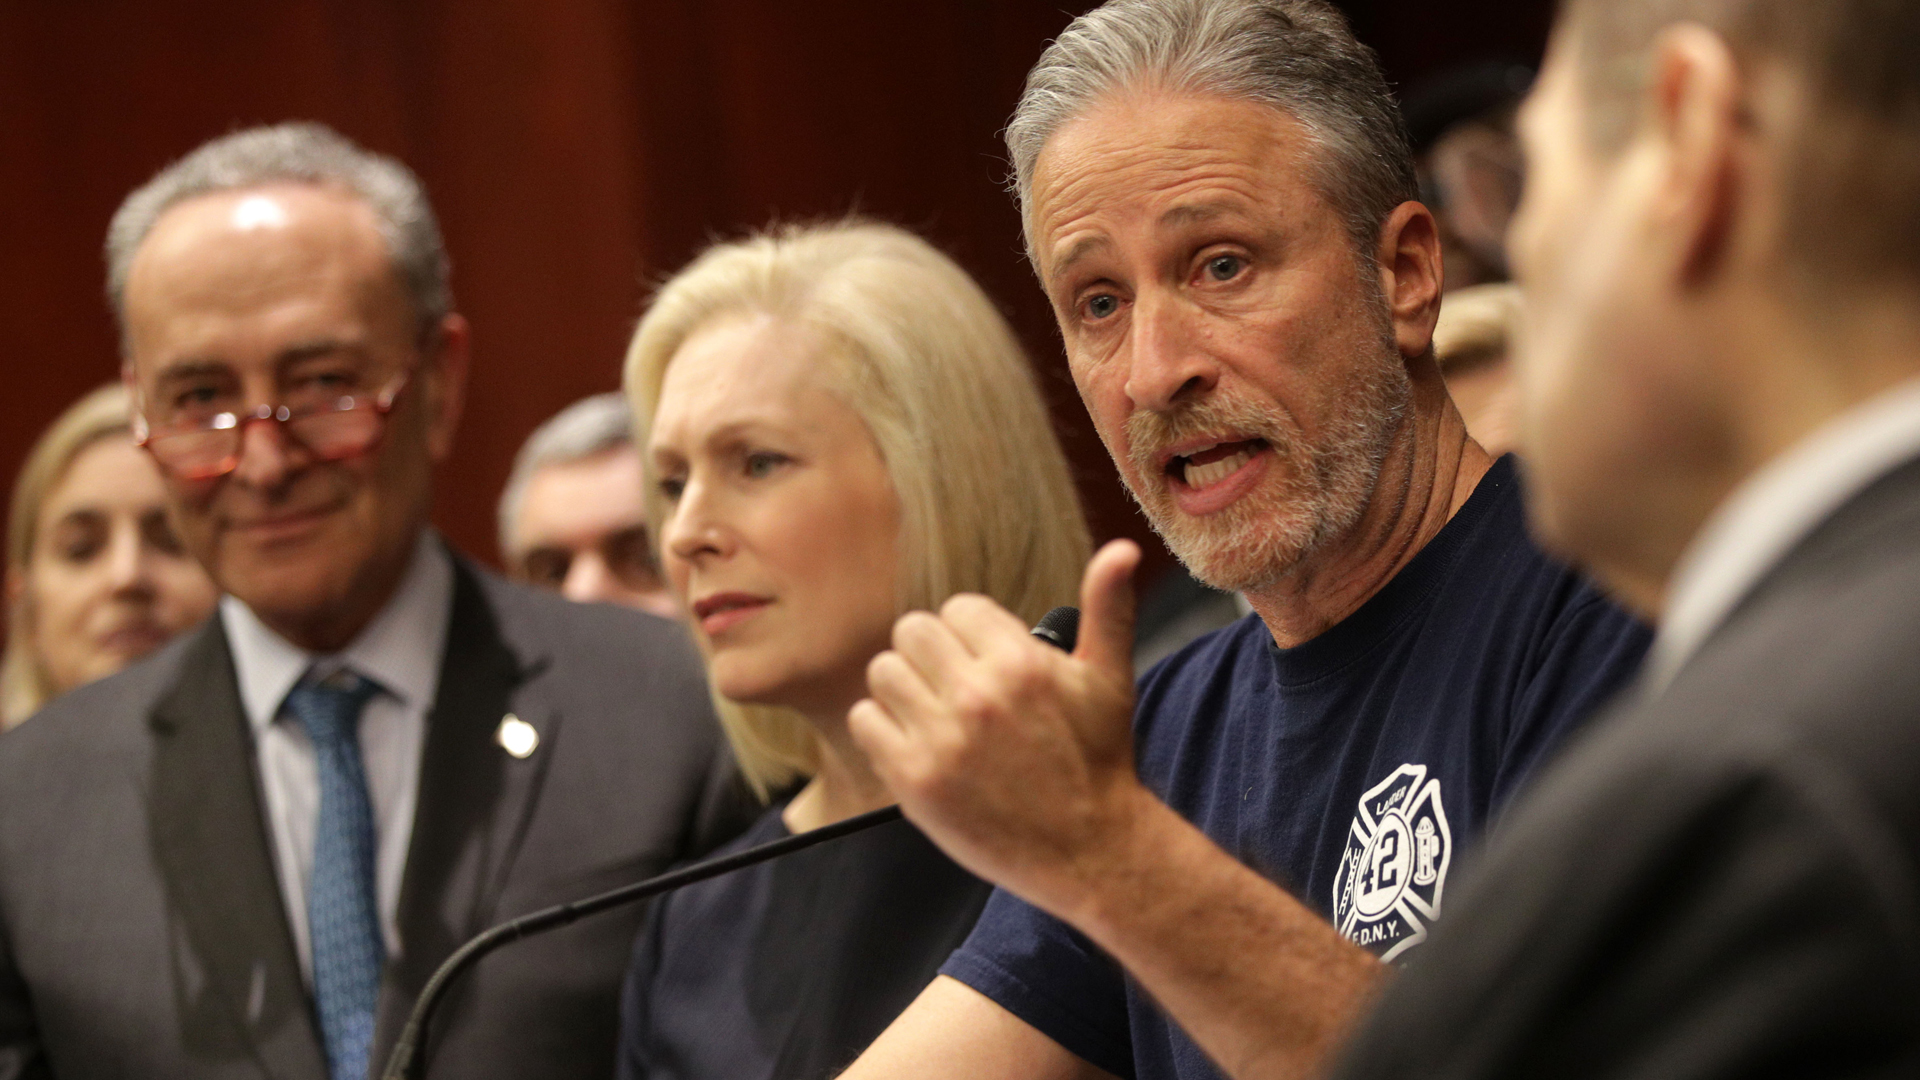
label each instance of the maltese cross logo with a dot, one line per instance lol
(1387, 890)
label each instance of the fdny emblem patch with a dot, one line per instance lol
(1387, 890)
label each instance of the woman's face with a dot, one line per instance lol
(108, 581)
(782, 525)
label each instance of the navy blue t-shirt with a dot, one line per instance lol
(1351, 769)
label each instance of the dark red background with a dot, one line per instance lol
(575, 150)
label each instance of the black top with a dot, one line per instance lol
(1723, 881)
(787, 970)
(1350, 768)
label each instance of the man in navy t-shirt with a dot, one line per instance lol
(1220, 205)
(1349, 768)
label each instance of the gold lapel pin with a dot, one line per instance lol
(516, 736)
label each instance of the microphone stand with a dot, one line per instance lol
(408, 1060)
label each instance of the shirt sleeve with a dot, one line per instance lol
(1051, 977)
(1677, 925)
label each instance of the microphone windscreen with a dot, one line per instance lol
(1061, 627)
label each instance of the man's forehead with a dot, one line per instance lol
(244, 253)
(1169, 160)
(210, 240)
(277, 210)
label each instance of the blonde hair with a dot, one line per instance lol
(920, 353)
(1475, 326)
(24, 685)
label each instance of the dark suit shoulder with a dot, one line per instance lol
(1817, 669)
(1806, 696)
(1813, 675)
(1723, 880)
(105, 718)
(633, 690)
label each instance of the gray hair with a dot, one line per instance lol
(306, 153)
(587, 427)
(1297, 56)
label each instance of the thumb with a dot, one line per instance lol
(1106, 608)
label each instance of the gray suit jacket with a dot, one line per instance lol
(1723, 881)
(142, 932)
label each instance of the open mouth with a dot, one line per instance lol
(1206, 467)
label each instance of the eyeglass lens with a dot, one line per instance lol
(329, 436)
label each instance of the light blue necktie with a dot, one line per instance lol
(343, 916)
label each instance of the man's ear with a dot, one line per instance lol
(1700, 121)
(445, 367)
(1411, 275)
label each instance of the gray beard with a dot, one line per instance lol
(1264, 536)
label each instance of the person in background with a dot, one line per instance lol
(1470, 342)
(843, 429)
(1213, 871)
(96, 576)
(572, 518)
(245, 855)
(1461, 128)
(1719, 376)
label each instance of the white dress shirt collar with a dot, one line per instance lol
(1773, 510)
(400, 649)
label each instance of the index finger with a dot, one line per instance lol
(981, 624)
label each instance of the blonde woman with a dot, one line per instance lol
(842, 428)
(96, 577)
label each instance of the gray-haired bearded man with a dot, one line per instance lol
(1220, 206)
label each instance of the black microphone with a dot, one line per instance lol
(1061, 627)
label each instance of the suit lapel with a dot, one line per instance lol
(474, 802)
(238, 977)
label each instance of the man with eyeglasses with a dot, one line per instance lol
(244, 857)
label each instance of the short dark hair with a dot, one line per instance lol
(1853, 170)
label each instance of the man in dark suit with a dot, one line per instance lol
(1720, 372)
(244, 856)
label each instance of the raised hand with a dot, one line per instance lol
(1014, 757)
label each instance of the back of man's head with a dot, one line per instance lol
(1298, 56)
(300, 153)
(1852, 162)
